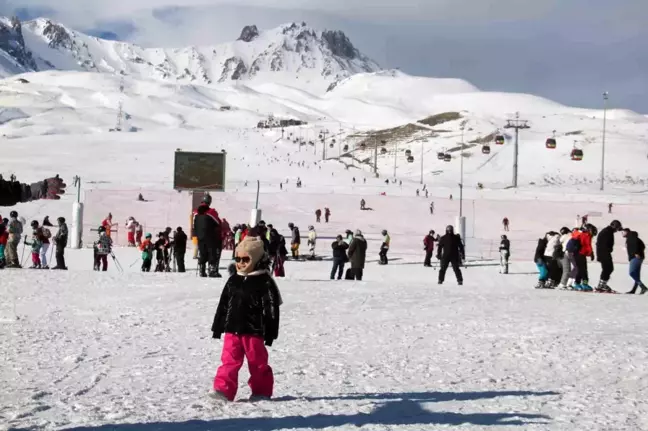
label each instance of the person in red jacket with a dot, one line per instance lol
(584, 235)
(428, 246)
(4, 237)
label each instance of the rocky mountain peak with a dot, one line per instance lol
(57, 35)
(13, 43)
(249, 33)
(339, 44)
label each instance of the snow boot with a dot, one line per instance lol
(550, 284)
(254, 398)
(540, 285)
(644, 289)
(577, 287)
(218, 396)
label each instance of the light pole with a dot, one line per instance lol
(395, 158)
(463, 127)
(516, 124)
(322, 136)
(605, 101)
(422, 161)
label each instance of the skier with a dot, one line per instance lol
(551, 257)
(160, 252)
(295, 240)
(636, 255)
(139, 231)
(363, 204)
(35, 250)
(146, 247)
(206, 229)
(13, 192)
(44, 236)
(364, 181)
(60, 241)
(450, 251)
(131, 227)
(327, 214)
(312, 240)
(565, 263)
(277, 252)
(248, 314)
(432, 208)
(357, 256)
(349, 236)
(384, 248)
(418, 192)
(179, 248)
(604, 248)
(428, 246)
(339, 257)
(610, 208)
(505, 254)
(318, 215)
(538, 259)
(354, 180)
(108, 224)
(505, 223)
(427, 193)
(102, 248)
(4, 236)
(15, 231)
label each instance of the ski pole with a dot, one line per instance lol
(51, 253)
(136, 260)
(22, 257)
(119, 267)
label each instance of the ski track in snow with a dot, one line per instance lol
(87, 351)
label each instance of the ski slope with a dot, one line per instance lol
(86, 351)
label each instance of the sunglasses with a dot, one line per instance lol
(244, 259)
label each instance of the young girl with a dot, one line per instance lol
(248, 314)
(147, 253)
(36, 245)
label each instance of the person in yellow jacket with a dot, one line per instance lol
(384, 248)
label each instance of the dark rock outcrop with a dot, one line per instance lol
(13, 43)
(249, 33)
(339, 44)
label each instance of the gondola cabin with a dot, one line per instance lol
(441, 156)
(410, 159)
(551, 143)
(447, 157)
(346, 148)
(383, 151)
(486, 149)
(499, 140)
(408, 153)
(577, 154)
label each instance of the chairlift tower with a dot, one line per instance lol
(518, 125)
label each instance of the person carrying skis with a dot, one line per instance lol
(636, 255)
(327, 214)
(538, 259)
(15, 231)
(318, 215)
(505, 254)
(295, 240)
(604, 248)
(312, 241)
(146, 247)
(428, 246)
(384, 248)
(248, 315)
(450, 251)
(102, 248)
(339, 257)
(180, 248)
(357, 256)
(60, 242)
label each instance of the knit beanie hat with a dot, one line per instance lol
(253, 247)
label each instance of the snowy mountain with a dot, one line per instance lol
(292, 53)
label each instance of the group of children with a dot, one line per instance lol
(164, 247)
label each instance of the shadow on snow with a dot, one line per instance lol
(392, 409)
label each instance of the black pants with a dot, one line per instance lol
(554, 269)
(428, 258)
(338, 266)
(101, 260)
(209, 254)
(607, 267)
(60, 256)
(455, 267)
(180, 260)
(357, 273)
(383, 256)
(146, 265)
(581, 265)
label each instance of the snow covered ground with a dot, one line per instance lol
(107, 351)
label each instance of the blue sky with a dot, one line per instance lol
(567, 50)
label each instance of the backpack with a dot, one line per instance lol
(573, 245)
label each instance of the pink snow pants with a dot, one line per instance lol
(235, 349)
